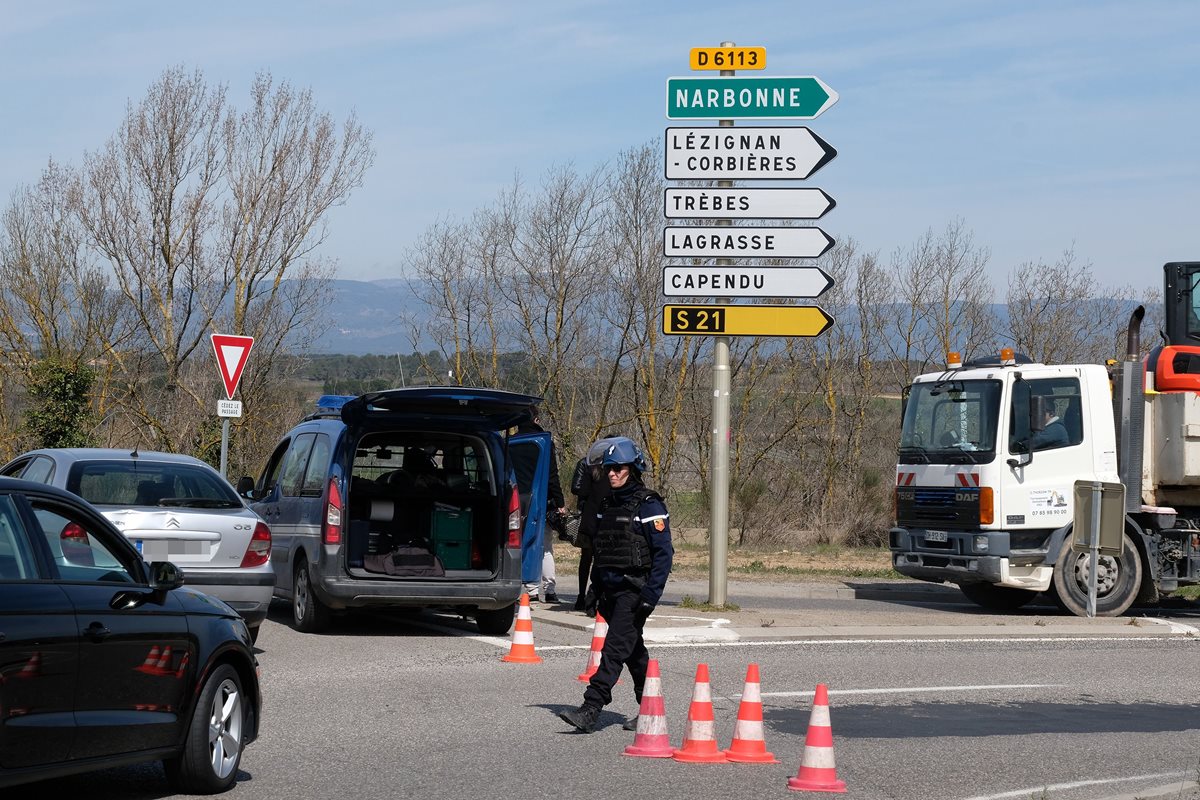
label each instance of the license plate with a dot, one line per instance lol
(935, 536)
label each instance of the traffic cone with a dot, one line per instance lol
(163, 667)
(598, 633)
(817, 772)
(651, 739)
(521, 651)
(699, 739)
(151, 663)
(183, 662)
(32, 668)
(749, 746)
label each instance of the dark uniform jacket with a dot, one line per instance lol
(651, 520)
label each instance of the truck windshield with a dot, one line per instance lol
(950, 422)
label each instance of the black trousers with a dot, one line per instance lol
(623, 646)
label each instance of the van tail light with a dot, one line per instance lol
(514, 521)
(76, 548)
(987, 508)
(259, 551)
(331, 531)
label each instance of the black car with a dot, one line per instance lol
(106, 660)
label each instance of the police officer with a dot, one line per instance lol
(632, 554)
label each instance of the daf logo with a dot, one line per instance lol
(172, 523)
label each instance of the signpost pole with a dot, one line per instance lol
(225, 446)
(718, 529)
(1094, 542)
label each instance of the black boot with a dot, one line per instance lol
(579, 602)
(630, 724)
(583, 718)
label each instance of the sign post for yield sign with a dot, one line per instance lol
(232, 353)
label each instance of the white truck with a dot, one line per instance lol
(990, 451)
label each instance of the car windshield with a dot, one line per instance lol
(149, 483)
(950, 422)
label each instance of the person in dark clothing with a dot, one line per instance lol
(632, 555)
(545, 584)
(590, 486)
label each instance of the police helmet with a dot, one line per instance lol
(622, 450)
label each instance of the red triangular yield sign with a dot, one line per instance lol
(232, 353)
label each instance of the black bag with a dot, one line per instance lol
(406, 561)
(565, 525)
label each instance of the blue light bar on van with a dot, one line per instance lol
(333, 402)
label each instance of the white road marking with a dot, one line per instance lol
(914, 689)
(1176, 627)
(1033, 791)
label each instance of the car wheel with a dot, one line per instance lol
(309, 614)
(496, 621)
(1117, 580)
(213, 747)
(997, 598)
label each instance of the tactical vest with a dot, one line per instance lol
(618, 544)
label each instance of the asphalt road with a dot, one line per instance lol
(928, 699)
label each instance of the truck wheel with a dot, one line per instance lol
(997, 598)
(1117, 580)
(309, 614)
(495, 622)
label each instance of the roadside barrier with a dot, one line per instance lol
(817, 770)
(749, 746)
(651, 739)
(521, 650)
(699, 739)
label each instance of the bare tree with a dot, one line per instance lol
(1059, 314)
(209, 220)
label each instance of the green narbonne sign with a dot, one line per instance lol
(795, 97)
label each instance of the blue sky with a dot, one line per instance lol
(1042, 125)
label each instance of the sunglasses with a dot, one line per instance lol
(616, 467)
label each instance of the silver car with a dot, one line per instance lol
(172, 507)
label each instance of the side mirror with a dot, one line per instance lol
(245, 487)
(165, 576)
(1038, 404)
(1022, 460)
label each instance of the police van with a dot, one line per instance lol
(418, 497)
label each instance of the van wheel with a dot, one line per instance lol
(1117, 580)
(495, 622)
(309, 614)
(997, 598)
(213, 747)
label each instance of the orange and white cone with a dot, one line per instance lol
(749, 746)
(32, 668)
(598, 635)
(163, 667)
(699, 738)
(817, 770)
(651, 739)
(151, 663)
(521, 651)
(183, 662)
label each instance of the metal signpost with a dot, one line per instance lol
(723, 155)
(1098, 528)
(232, 352)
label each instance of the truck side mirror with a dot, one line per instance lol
(1038, 405)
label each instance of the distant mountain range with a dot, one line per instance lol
(368, 317)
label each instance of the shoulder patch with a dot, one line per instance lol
(659, 524)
